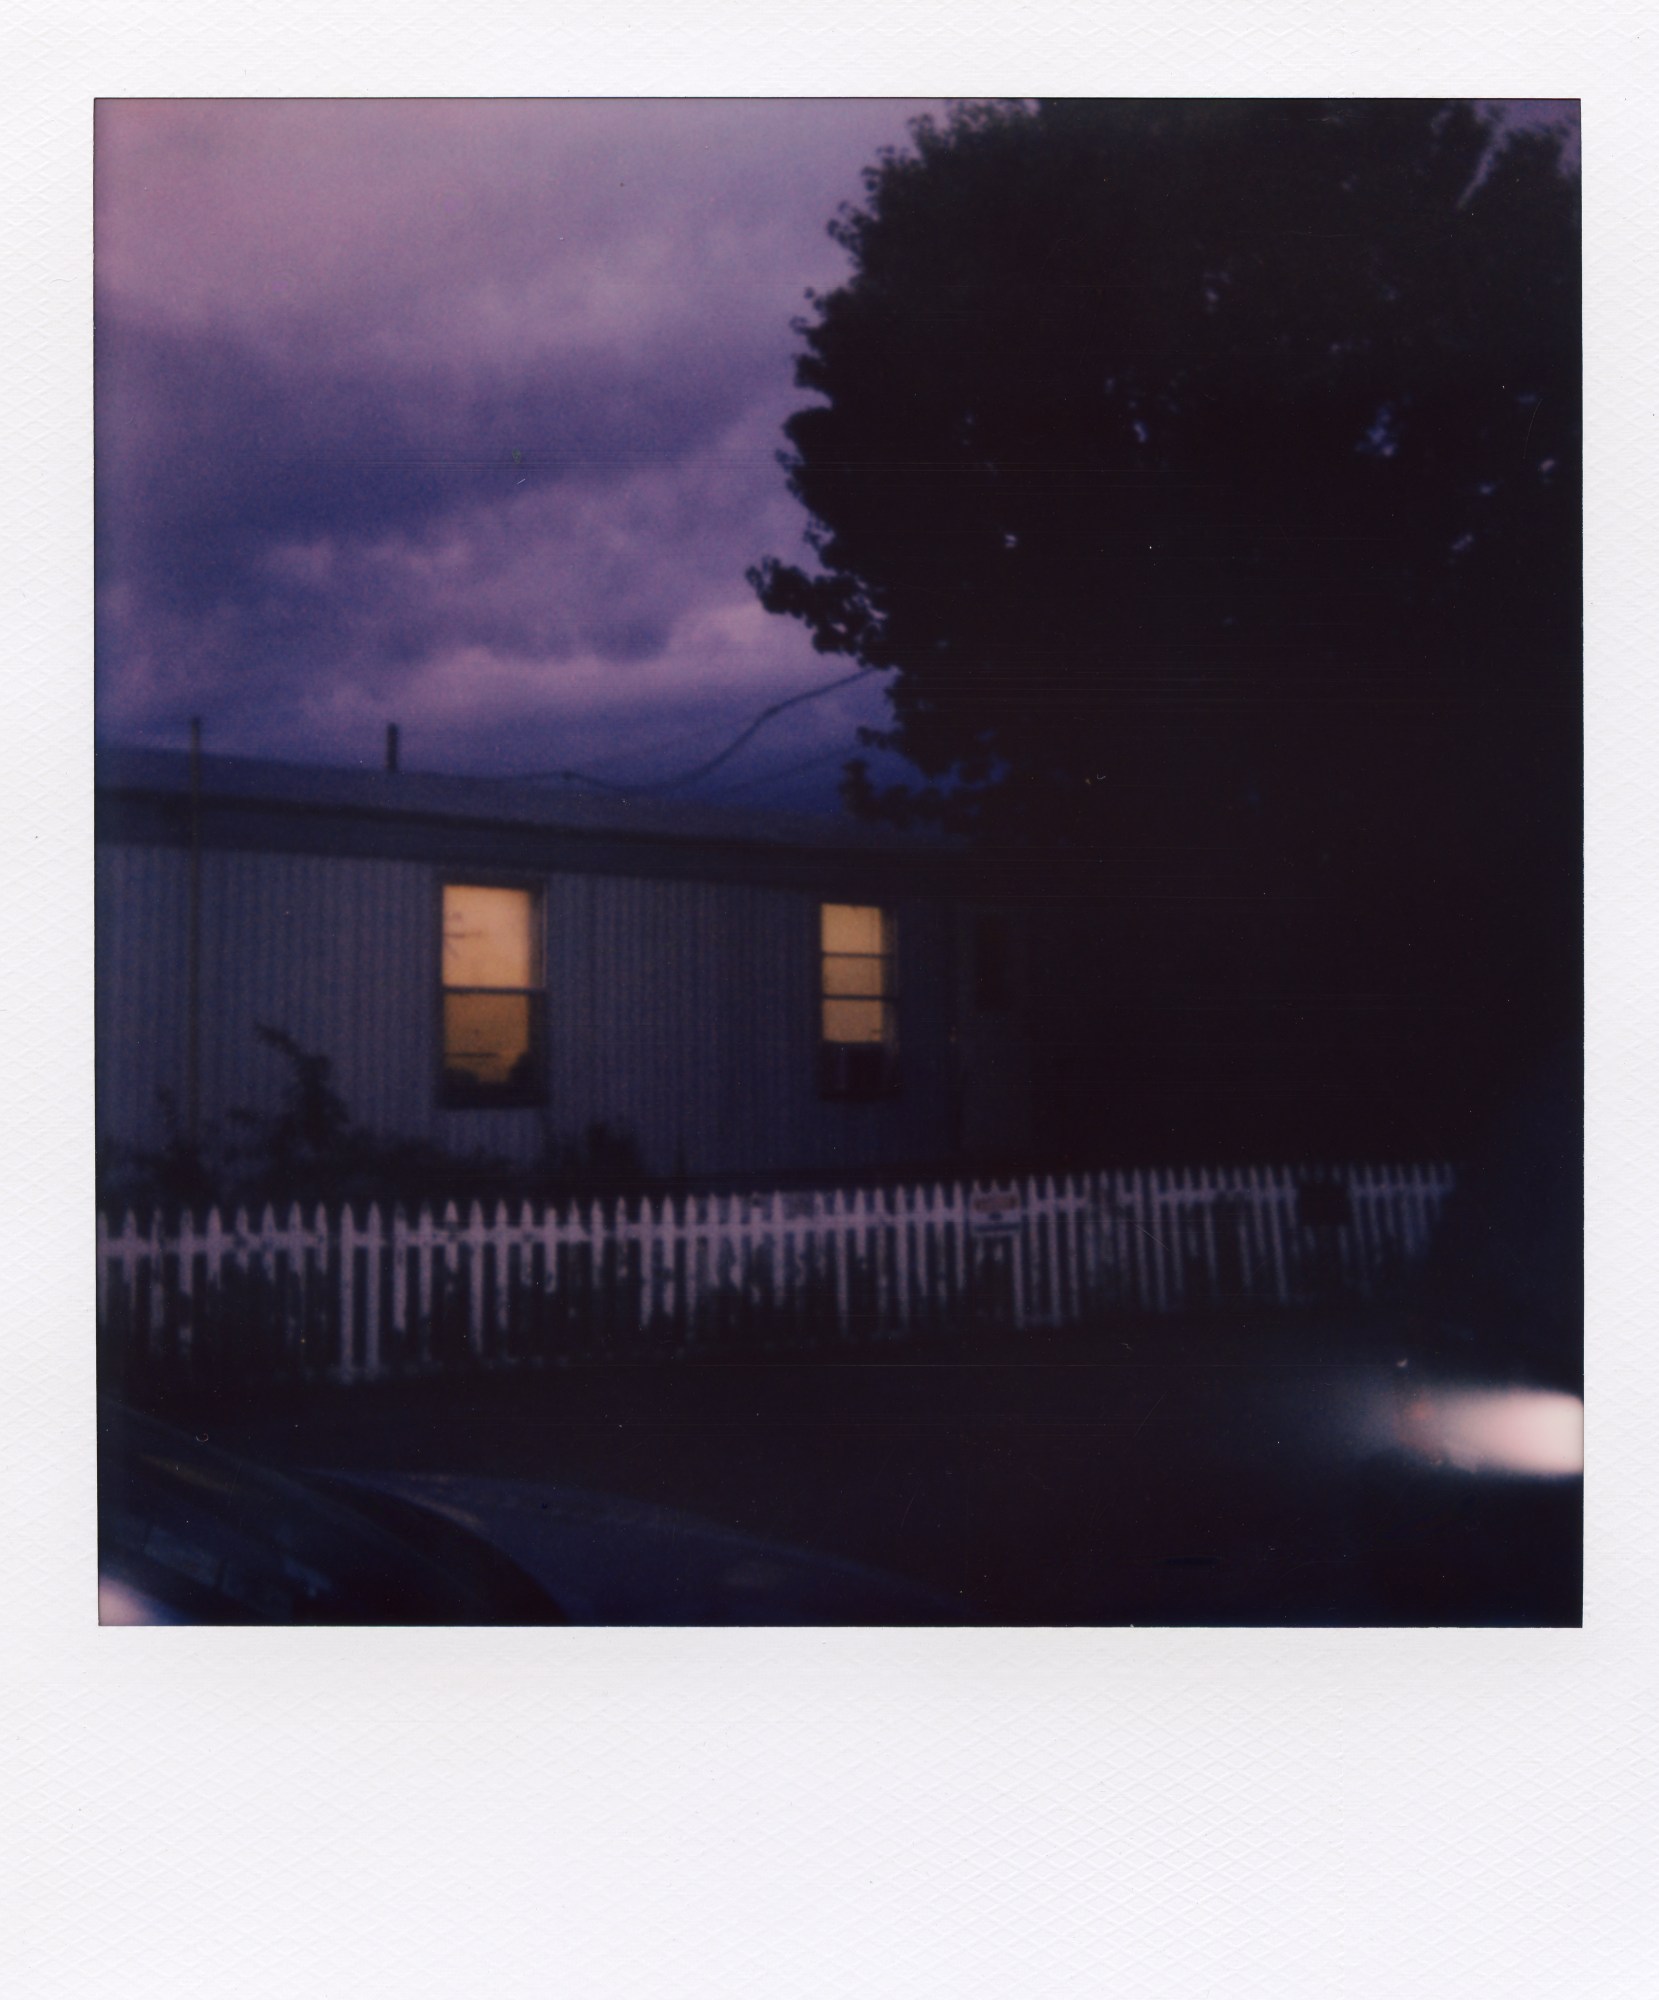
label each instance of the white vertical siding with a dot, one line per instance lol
(142, 924)
(683, 1013)
(335, 953)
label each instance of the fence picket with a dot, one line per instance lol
(373, 1241)
(358, 1299)
(348, 1294)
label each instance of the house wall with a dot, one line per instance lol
(684, 1012)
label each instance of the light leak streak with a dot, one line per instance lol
(1534, 1432)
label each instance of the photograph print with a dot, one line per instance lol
(838, 862)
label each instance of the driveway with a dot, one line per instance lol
(1151, 1474)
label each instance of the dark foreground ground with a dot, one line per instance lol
(1155, 1474)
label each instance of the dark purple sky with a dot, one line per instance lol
(463, 415)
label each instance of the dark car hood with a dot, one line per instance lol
(608, 1560)
(191, 1533)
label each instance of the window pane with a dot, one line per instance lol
(856, 976)
(487, 1039)
(853, 927)
(857, 1071)
(855, 1021)
(487, 937)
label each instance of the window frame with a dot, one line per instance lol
(859, 1072)
(452, 1093)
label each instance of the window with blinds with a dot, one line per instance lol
(492, 996)
(857, 1001)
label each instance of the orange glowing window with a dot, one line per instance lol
(492, 998)
(858, 1018)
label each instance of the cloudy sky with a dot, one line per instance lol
(464, 415)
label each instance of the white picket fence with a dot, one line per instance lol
(353, 1296)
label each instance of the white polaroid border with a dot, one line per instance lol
(910, 1813)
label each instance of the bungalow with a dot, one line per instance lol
(496, 968)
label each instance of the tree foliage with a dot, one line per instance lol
(1206, 476)
(1131, 413)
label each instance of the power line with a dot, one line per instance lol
(713, 763)
(787, 771)
(759, 723)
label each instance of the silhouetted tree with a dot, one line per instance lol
(1206, 476)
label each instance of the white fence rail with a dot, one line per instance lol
(357, 1295)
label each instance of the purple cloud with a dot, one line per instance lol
(460, 414)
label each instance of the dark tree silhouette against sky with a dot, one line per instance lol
(1206, 478)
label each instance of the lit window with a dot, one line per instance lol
(858, 1014)
(491, 996)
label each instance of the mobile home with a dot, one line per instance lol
(497, 968)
